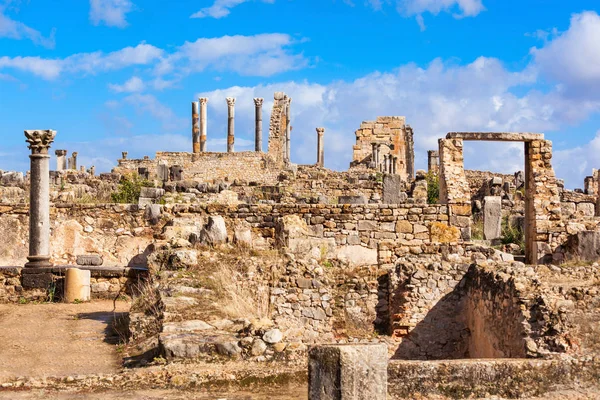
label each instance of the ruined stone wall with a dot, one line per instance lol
(209, 167)
(479, 182)
(277, 129)
(396, 138)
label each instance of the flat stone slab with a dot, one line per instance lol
(496, 136)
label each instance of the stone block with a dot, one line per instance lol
(152, 193)
(365, 225)
(492, 217)
(583, 246)
(352, 200)
(37, 278)
(392, 187)
(89, 260)
(348, 372)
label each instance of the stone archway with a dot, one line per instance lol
(542, 201)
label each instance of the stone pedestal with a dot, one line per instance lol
(258, 102)
(77, 285)
(230, 124)
(320, 147)
(39, 209)
(203, 102)
(195, 131)
(348, 372)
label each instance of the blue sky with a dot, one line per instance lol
(119, 75)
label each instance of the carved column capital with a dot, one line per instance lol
(203, 100)
(61, 153)
(40, 140)
(320, 131)
(258, 101)
(230, 101)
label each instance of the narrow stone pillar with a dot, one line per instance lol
(124, 155)
(320, 147)
(230, 124)
(203, 102)
(492, 217)
(92, 171)
(348, 372)
(433, 162)
(394, 164)
(258, 102)
(39, 198)
(378, 157)
(373, 155)
(195, 131)
(386, 164)
(73, 161)
(61, 160)
(288, 130)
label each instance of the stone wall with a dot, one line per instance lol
(396, 138)
(209, 167)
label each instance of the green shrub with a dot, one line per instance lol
(130, 188)
(512, 234)
(433, 188)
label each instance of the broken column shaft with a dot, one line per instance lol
(73, 161)
(203, 101)
(258, 102)
(320, 147)
(39, 196)
(230, 124)
(61, 160)
(195, 131)
(288, 130)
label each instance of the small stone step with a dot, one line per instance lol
(193, 345)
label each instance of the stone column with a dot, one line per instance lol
(386, 164)
(348, 372)
(61, 160)
(258, 102)
(288, 130)
(73, 161)
(230, 124)
(39, 198)
(433, 162)
(394, 164)
(203, 102)
(124, 155)
(378, 157)
(373, 155)
(320, 147)
(195, 131)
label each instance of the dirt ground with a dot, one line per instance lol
(58, 339)
(299, 394)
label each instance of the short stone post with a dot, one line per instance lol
(348, 372)
(258, 102)
(203, 103)
(288, 130)
(61, 160)
(230, 124)
(92, 170)
(320, 147)
(492, 217)
(39, 198)
(195, 131)
(433, 162)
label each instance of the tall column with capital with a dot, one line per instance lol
(288, 130)
(258, 102)
(230, 123)
(61, 160)
(203, 101)
(39, 197)
(320, 147)
(195, 131)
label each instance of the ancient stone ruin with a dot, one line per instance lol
(370, 279)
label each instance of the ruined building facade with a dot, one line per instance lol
(386, 145)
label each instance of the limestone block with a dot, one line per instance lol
(392, 188)
(214, 232)
(492, 217)
(89, 260)
(352, 200)
(583, 246)
(348, 372)
(357, 255)
(586, 209)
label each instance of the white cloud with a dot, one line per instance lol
(110, 12)
(12, 29)
(221, 8)
(587, 156)
(135, 84)
(467, 8)
(91, 63)
(147, 103)
(259, 55)
(573, 57)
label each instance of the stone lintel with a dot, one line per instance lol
(496, 136)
